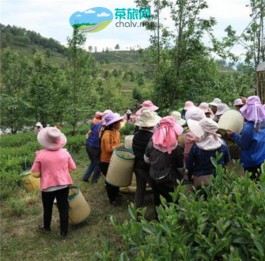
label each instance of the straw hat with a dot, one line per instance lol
(51, 138)
(177, 117)
(147, 118)
(147, 105)
(111, 118)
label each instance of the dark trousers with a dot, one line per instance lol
(61, 197)
(143, 177)
(112, 191)
(163, 189)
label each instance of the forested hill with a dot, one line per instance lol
(29, 42)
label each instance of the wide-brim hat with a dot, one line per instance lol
(177, 117)
(195, 114)
(98, 114)
(111, 118)
(188, 105)
(253, 110)
(221, 108)
(147, 105)
(215, 102)
(238, 102)
(147, 119)
(51, 138)
(200, 128)
(38, 124)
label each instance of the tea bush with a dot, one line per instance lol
(229, 225)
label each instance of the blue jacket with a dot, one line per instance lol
(198, 162)
(252, 143)
(93, 137)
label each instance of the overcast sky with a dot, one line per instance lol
(50, 18)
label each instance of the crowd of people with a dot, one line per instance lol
(170, 149)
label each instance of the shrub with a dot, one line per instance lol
(229, 225)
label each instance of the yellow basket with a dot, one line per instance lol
(30, 183)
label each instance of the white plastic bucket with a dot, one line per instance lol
(231, 120)
(79, 209)
(120, 168)
(30, 183)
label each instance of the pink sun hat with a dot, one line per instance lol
(165, 137)
(189, 105)
(51, 138)
(98, 114)
(253, 110)
(147, 105)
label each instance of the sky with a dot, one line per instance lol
(50, 18)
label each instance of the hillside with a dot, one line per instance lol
(29, 42)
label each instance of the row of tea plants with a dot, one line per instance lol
(229, 225)
(18, 152)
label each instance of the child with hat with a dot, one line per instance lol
(53, 162)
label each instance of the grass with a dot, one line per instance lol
(22, 212)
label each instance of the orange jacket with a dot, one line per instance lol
(109, 141)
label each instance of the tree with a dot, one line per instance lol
(81, 69)
(178, 54)
(48, 85)
(117, 47)
(15, 79)
(254, 35)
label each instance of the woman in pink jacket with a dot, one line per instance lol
(53, 163)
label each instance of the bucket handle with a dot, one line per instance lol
(72, 196)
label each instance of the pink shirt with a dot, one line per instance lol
(54, 167)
